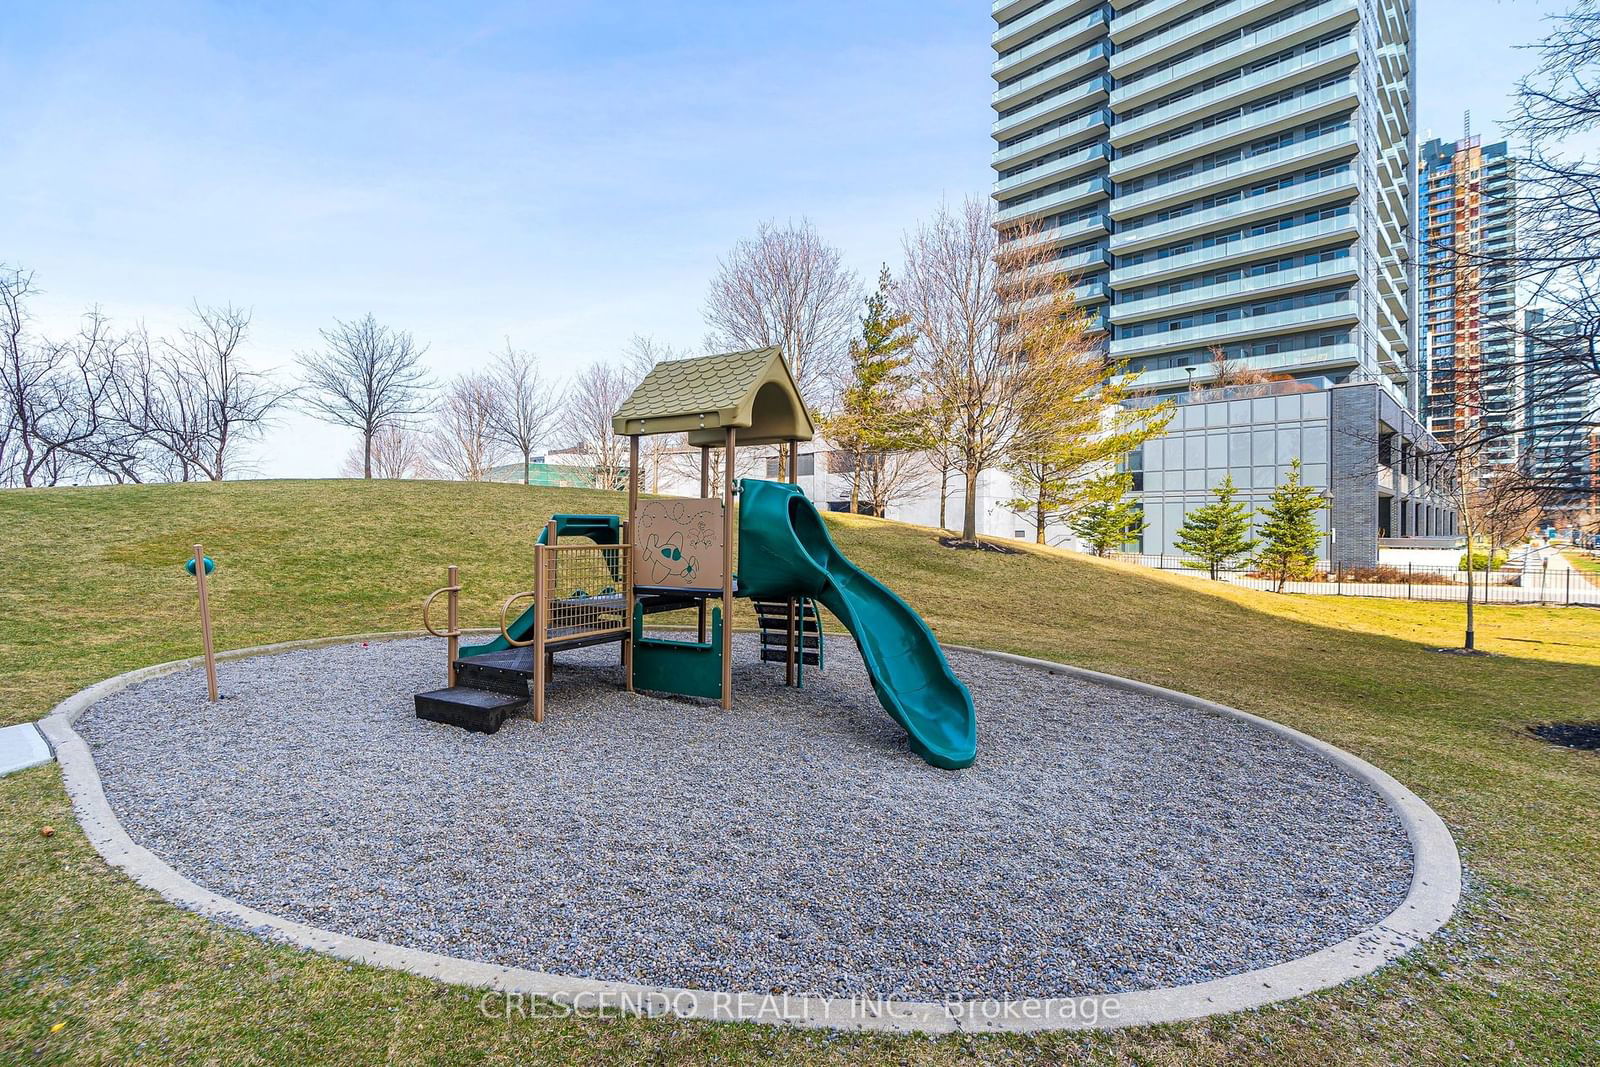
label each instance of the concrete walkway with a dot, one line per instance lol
(21, 747)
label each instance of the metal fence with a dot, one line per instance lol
(1536, 583)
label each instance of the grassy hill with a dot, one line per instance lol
(91, 585)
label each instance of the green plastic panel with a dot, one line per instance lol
(687, 668)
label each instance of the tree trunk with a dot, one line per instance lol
(1038, 521)
(969, 510)
(855, 488)
(944, 493)
(366, 454)
(1471, 640)
(527, 461)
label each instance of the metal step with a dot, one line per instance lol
(498, 672)
(479, 710)
(781, 655)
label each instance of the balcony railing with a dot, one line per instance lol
(1299, 152)
(1222, 292)
(1069, 65)
(1277, 241)
(1329, 53)
(1156, 80)
(1207, 333)
(1066, 34)
(1047, 137)
(1129, 235)
(1213, 137)
(1318, 358)
(1068, 101)
(1062, 198)
(1124, 25)
(1059, 167)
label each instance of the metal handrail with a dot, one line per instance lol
(428, 604)
(505, 620)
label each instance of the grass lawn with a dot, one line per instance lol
(94, 969)
(1583, 561)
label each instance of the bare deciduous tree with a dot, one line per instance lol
(1505, 503)
(194, 398)
(463, 444)
(789, 288)
(639, 357)
(975, 296)
(592, 400)
(527, 405)
(57, 394)
(396, 453)
(368, 377)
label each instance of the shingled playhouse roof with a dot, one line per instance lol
(752, 391)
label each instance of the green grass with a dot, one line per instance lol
(91, 585)
(1583, 561)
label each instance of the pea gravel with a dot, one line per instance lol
(1104, 841)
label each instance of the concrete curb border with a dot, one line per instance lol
(1435, 891)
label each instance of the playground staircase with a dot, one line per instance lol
(488, 690)
(773, 617)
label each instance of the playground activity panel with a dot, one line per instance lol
(597, 577)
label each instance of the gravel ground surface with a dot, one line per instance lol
(1103, 842)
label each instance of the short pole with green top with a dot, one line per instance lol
(200, 565)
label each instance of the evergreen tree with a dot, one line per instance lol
(1108, 519)
(874, 417)
(1073, 418)
(1289, 531)
(1217, 533)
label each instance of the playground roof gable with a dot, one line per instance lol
(751, 391)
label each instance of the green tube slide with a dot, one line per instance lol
(785, 550)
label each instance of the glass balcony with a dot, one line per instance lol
(1291, 321)
(1323, 230)
(1141, 18)
(1074, 194)
(1074, 31)
(1224, 292)
(1046, 138)
(1074, 100)
(1072, 231)
(1181, 32)
(1130, 89)
(1273, 363)
(1068, 67)
(1019, 29)
(1130, 236)
(1089, 156)
(1215, 137)
(1300, 153)
(1260, 80)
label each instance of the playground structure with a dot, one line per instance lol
(671, 554)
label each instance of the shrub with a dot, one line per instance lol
(1387, 574)
(1481, 561)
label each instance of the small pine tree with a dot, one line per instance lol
(1109, 519)
(1289, 531)
(1217, 533)
(874, 417)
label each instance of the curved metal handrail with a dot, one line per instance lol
(427, 605)
(505, 623)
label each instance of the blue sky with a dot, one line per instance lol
(565, 174)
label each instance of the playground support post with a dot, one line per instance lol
(627, 539)
(789, 665)
(541, 624)
(452, 630)
(732, 445)
(205, 622)
(702, 613)
(628, 598)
